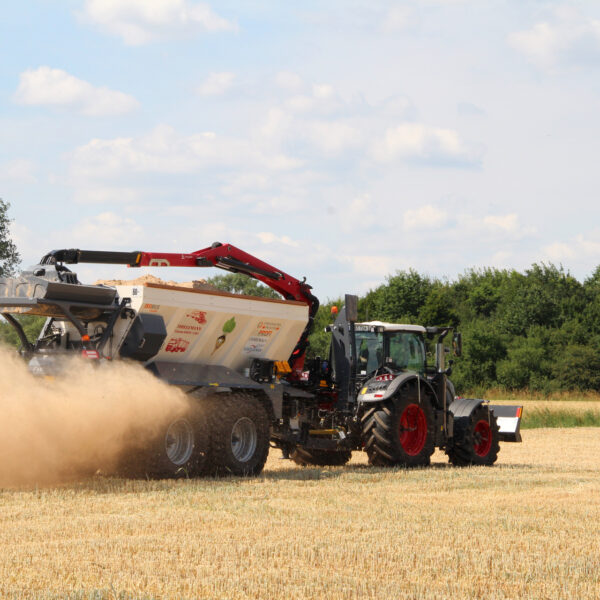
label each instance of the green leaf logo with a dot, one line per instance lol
(229, 325)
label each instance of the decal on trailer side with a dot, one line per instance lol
(177, 345)
(197, 315)
(255, 345)
(153, 308)
(258, 341)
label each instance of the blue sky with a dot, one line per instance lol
(339, 141)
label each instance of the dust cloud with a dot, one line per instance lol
(57, 429)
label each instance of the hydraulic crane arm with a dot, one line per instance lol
(223, 256)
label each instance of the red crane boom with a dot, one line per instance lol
(223, 256)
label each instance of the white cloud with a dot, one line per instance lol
(107, 195)
(322, 99)
(55, 87)
(424, 218)
(288, 80)
(502, 260)
(275, 205)
(27, 242)
(494, 227)
(266, 237)
(106, 230)
(360, 214)
(142, 21)
(216, 84)
(559, 251)
(19, 170)
(332, 137)
(421, 143)
(571, 38)
(164, 151)
(587, 246)
(508, 223)
(579, 248)
(399, 18)
(322, 91)
(373, 265)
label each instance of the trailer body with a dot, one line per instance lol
(218, 328)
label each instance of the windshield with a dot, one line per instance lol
(369, 351)
(406, 351)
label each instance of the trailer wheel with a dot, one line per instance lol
(320, 458)
(476, 439)
(179, 449)
(240, 433)
(400, 431)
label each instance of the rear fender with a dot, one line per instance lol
(375, 391)
(508, 417)
(463, 407)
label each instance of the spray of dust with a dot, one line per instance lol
(84, 419)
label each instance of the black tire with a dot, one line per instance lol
(320, 458)
(476, 439)
(179, 448)
(240, 432)
(400, 431)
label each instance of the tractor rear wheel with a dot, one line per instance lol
(240, 432)
(400, 431)
(476, 439)
(320, 458)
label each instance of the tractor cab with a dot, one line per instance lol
(396, 347)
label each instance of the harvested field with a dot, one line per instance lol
(527, 528)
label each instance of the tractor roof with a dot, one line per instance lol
(394, 326)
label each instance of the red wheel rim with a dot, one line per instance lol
(413, 429)
(483, 438)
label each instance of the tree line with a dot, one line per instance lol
(538, 330)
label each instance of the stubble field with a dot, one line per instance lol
(526, 528)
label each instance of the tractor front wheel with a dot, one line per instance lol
(400, 431)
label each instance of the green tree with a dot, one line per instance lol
(32, 325)
(545, 295)
(528, 362)
(480, 291)
(438, 308)
(483, 349)
(591, 313)
(319, 340)
(238, 283)
(578, 368)
(400, 299)
(9, 262)
(9, 257)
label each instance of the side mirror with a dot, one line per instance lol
(457, 343)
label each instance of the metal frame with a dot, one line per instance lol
(66, 308)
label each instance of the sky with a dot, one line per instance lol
(341, 140)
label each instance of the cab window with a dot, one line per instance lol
(406, 351)
(369, 353)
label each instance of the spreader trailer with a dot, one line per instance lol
(242, 362)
